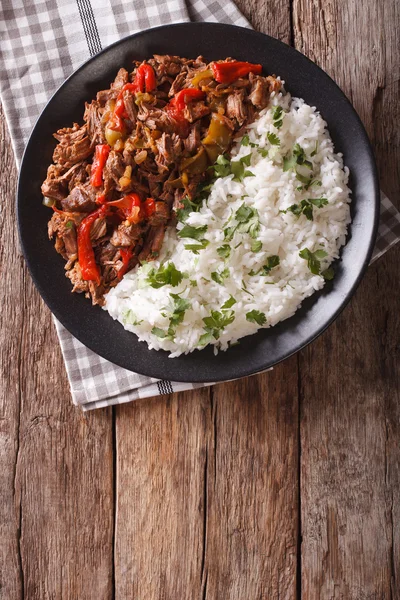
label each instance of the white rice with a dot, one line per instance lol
(278, 294)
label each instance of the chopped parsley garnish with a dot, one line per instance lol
(195, 233)
(296, 157)
(196, 247)
(215, 324)
(238, 167)
(306, 207)
(222, 166)
(263, 152)
(221, 276)
(229, 303)
(159, 332)
(129, 318)
(176, 312)
(248, 220)
(165, 275)
(187, 207)
(224, 251)
(256, 246)
(314, 152)
(272, 262)
(313, 259)
(273, 139)
(277, 116)
(255, 316)
(309, 183)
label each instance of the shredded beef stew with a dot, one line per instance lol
(146, 143)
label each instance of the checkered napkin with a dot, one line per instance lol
(42, 43)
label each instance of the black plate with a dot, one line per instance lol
(93, 326)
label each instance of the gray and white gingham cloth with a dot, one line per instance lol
(42, 43)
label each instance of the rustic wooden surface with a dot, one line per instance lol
(281, 486)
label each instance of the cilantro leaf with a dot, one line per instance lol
(129, 318)
(222, 166)
(245, 140)
(165, 275)
(289, 162)
(196, 247)
(206, 338)
(318, 202)
(195, 233)
(272, 261)
(248, 220)
(238, 166)
(217, 321)
(277, 116)
(313, 259)
(224, 251)
(314, 152)
(187, 207)
(229, 232)
(256, 246)
(263, 152)
(273, 139)
(221, 276)
(159, 332)
(328, 274)
(229, 303)
(255, 316)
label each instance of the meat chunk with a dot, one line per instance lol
(153, 243)
(81, 199)
(121, 79)
(98, 229)
(63, 227)
(235, 107)
(75, 275)
(92, 117)
(169, 149)
(58, 182)
(113, 171)
(74, 145)
(196, 110)
(166, 65)
(192, 142)
(126, 235)
(259, 95)
(130, 106)
(161, 214)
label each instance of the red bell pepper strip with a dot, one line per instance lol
(226, 72)
(149, 207)
(126, 255)
(145, 78)
(177, 105)
(180, 100)
(100, 158)
(87, 262)
(130, 206)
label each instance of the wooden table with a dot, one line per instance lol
(280, 486)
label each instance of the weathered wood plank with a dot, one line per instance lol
(56, 464)
(208, 480)
(252, 488)
(161, 464)
(350, 376)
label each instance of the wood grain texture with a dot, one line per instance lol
(56, 486)
(238, 491)
(350, 417)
